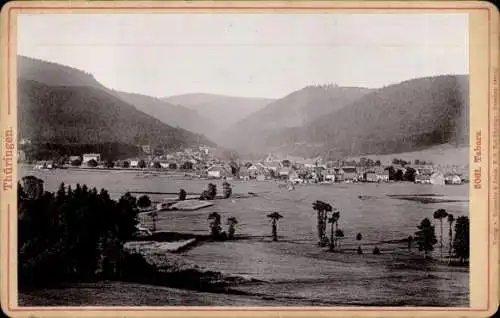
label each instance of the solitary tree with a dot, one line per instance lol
(215, 224)
(226, 189)
(322, 209)
(425, 237)
(275, 216)
(109, 163)
(154, 219)
(338, 234)
(461, 240)
(333, 221)
(141, 164)
(188, 165)
(440, 215)
(212, 191)
(157, 165)
(409, 174)
(182, 195)
(92, 163)
(232, 221)
(410, 241)
(144, 201)
(359, 237)
(399, 175)
(450, 220)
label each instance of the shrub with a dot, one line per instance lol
(92, 163)
(156, 165)
(76, 162)
(227, 191)
(182, 195)
(141, 164)
(210, 193)
(144, 201)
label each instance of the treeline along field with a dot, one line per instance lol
(77, 235)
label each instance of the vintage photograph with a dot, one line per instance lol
(242, 159)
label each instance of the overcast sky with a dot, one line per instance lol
(261, 55)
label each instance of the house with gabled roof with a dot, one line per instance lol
(218, 171)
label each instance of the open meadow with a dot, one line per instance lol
(295, 270)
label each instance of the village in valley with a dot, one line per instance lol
(329, 169)
(203, 163)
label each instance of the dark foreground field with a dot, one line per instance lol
(394, 278)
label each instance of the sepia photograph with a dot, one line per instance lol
(251, 159)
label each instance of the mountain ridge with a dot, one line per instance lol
(212, 106)
(66, 106)
(411, 115)
(293, 110)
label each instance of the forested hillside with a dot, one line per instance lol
(211, 106)
(83, 115)
(294, 110)
(173, 115)
(412, 115)
(408, 116)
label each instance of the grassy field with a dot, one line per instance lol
(295, 270)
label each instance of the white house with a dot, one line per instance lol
(164, 164)
(90, 156)
(218, 171)
(437, 178)
(452, 179)
(134, 163)
(330, 177)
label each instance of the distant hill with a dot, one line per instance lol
(409, 116)
(64, 106)
(173, 115)
(212, 106)
(294, 110)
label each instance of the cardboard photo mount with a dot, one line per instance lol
(484, 174)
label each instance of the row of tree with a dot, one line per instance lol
(216, 226)
(403, 163)
(322, 209)
(211, 192)
(72, 234)
(399, 175)
(424, 237)
(458, 242)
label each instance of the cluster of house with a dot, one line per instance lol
(294, 170)
(315, 170)
(192, 159)
(297, 171)
(431, 176)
